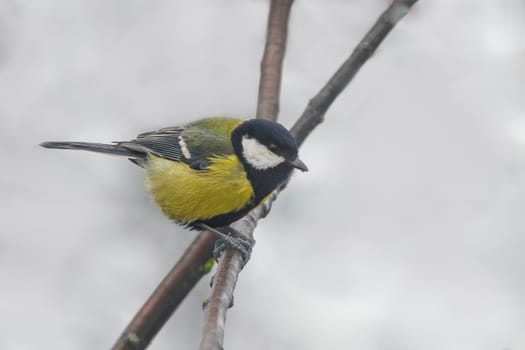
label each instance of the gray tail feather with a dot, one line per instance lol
(94, 147)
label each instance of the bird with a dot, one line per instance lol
(208, 173)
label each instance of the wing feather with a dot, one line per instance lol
(193, 144)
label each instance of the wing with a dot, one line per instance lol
(192, 144)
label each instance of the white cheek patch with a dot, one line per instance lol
(258, 155)
(184, 148)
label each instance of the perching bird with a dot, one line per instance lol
(209, 173)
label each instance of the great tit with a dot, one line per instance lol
(211, 172)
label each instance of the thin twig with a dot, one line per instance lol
(225, 279)
(319, 104)
(272, 62)
(190, 268)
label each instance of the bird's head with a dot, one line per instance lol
(263, 145)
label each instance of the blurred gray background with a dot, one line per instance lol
(407, 233)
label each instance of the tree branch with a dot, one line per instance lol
(190, 268)
(225, 279)
(272, 61)
(319, 104)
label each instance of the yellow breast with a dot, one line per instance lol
(187, 195)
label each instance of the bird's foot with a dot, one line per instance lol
(237, 241)
(231, 238)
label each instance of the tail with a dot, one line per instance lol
(94, 147)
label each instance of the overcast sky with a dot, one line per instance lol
(407, 233)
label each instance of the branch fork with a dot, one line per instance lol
(195, 262)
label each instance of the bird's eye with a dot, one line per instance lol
(273, 147)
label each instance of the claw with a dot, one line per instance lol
(233, 239)
(238, 242)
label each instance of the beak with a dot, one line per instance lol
(298, 164)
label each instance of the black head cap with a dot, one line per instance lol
(272, 135)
